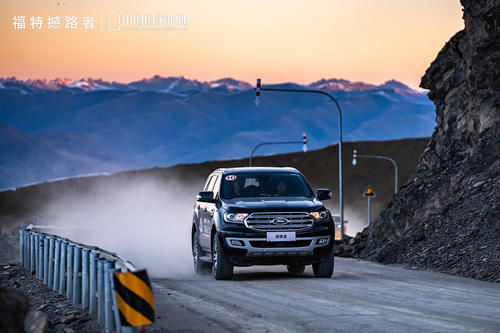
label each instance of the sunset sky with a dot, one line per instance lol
(286, 40)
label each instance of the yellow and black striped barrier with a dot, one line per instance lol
(134, 298)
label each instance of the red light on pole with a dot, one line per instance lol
(257, 93)
(304, 142)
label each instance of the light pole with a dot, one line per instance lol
(380, 157)
(272, 143)
(313, 91)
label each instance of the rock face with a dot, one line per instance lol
(13, 309)
(448, 217)
(27, 305)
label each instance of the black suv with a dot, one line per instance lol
(261, 216)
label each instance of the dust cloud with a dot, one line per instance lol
(356, 221)
(145, 221)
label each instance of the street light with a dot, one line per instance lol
(304, 142)
(380, 157)
(313, 91)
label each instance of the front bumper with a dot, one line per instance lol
(302, 246)
(309, 247)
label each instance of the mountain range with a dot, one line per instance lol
(62, 127)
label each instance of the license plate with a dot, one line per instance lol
(281, 236)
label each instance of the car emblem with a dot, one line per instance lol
(280, 220)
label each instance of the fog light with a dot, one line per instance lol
(322, 241)
(236, 242)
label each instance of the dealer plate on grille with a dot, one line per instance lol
(281, 236)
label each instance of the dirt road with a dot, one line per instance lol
(361, 297)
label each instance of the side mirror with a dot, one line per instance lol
(324, 194)
(205, 196)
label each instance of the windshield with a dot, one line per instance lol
(254, 185)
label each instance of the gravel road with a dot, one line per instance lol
(361, 296)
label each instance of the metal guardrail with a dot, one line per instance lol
(82, 272)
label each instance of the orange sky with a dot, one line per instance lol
(281, 40)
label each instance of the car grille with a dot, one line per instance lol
(265, 244)
(289, 221)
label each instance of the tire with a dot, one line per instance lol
(222, 269)
(296, 268)
(324, 269)
(200, 267)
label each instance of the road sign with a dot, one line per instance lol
(369, 192)
(134, 298)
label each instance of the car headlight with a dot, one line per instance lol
(235, 217)
(320, 216)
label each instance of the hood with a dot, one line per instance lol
(273, 204)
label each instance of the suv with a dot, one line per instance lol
(261, 216)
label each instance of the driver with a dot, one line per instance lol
(281, 188)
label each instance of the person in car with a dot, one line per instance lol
(281, 188)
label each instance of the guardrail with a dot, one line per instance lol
(82, 272)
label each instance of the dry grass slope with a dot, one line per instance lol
(319, 166)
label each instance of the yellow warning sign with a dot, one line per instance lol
(369, 192)
(134, 298)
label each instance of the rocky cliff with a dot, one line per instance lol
(447, 217)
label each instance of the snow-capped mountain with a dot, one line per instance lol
(341, 85)
(58, 84)
(186, 87)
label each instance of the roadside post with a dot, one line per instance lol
(62, 268)
(21, 246)
(77, 266)
(37, 266)
(32, 253)
(69, 271)
(259, 88)
(85, 278)
(50, 279)
(46, 260)
(100, 290)
(93, 281)
(40, 256)
(57, 258)
(369, 194)
(355, 155)
(109, 323)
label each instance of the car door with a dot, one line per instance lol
(212, 209)
(200, 207)
(205, 213)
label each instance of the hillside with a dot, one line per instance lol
(319, 166)
(447, 218)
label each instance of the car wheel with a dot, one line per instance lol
(296, 268)
(222, 269)
(324, 269)
(200, 267)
